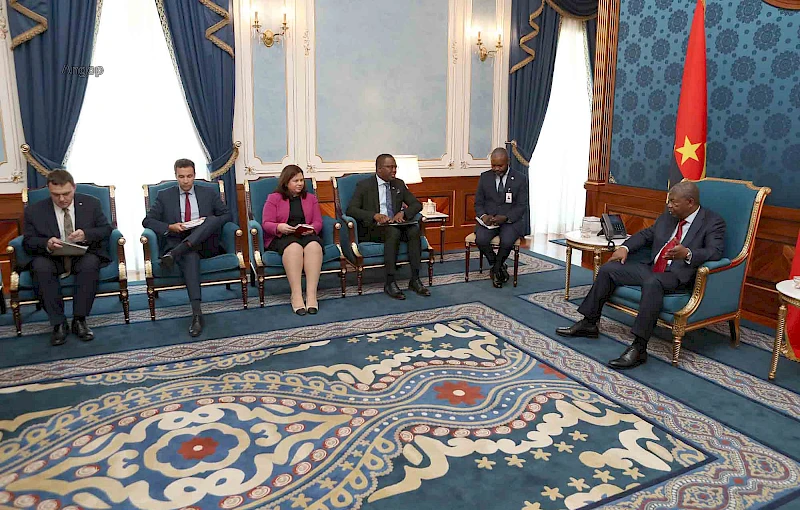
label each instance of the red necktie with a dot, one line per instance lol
(188, 214)
(661, 262)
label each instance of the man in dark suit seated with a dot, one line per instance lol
(184, 246)
(78, 219)
(501, 201)
(377, 203)
(680, 241)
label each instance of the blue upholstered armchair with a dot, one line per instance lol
(367, 254)
(718, 288)
(226, 268)
(267, 265)
(113, 277)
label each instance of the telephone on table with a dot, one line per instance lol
(613, 227)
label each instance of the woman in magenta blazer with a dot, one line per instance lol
(287, 208)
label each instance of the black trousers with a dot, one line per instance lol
(197, 245)
(654, 286)
(391, 236)
(483, 239)
(46, 271)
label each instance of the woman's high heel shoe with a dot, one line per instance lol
(300, 311)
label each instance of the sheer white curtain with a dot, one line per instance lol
(135, 122)
(559, 165)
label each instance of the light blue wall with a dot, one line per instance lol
(381, 78)
(482, 80)
(269, 101)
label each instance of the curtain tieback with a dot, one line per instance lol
(37, 161)
(228, 164)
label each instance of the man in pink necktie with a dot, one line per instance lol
(680, 241)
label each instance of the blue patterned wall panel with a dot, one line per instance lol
(381, 78)
(484, 15)
(753, 70)
(269, 102)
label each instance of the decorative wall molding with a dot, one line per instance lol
(301, 93)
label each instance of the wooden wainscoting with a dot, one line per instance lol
(772, 255)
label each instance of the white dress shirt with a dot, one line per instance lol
(689, 220)
(382, 195)
(60, 218)
(192, 202)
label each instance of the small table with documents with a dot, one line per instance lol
(440, 218)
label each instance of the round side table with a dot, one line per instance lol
(594, 244)
(789, 295)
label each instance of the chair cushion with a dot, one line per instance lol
(470, 239)
(631, 295)
(108, 273)
(220, 263)
(271, 259)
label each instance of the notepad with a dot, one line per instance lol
(194, 223)
(69, 249)
(303, 228)
(490, 227)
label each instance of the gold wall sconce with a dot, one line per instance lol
(268, 37)
(484, 52)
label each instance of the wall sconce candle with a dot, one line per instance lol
(268, 37)
(483, 52)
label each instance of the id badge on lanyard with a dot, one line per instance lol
(508, 197)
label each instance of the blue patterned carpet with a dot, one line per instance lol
(461, 400)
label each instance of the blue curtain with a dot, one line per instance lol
(206, 68)
(52, 44)
(534, 38)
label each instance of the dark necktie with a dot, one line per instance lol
(389, 208)
(69, 228)
(661, 262)
(187, 216)
(500, 185)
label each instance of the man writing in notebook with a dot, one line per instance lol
(78, 219)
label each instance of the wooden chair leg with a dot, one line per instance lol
(734, 327)
(123, 296)
(677, 338)
(360, 278)
(253, 277)
(466, 262)
(343, 278)
(261, 290)
(516, 264)
(17, 315)
(227, 286)
(152, 294)
(3, 308)
(244, 290)
(431, 260)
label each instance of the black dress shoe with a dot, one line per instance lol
(417, 286)
(504, 273)
(59, 335)
(197, 325)
(581, 328)
(633, 356)
(168, 261)
(497, 280)
(393, 291)
(80, 329)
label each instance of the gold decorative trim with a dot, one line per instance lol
(123, 271)
(257, 257)
(14, 281)
(26, 152)
(40, 28)
(527, 37)
(228, 164)
(225, 21)
(241, 259)
(148, 269)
